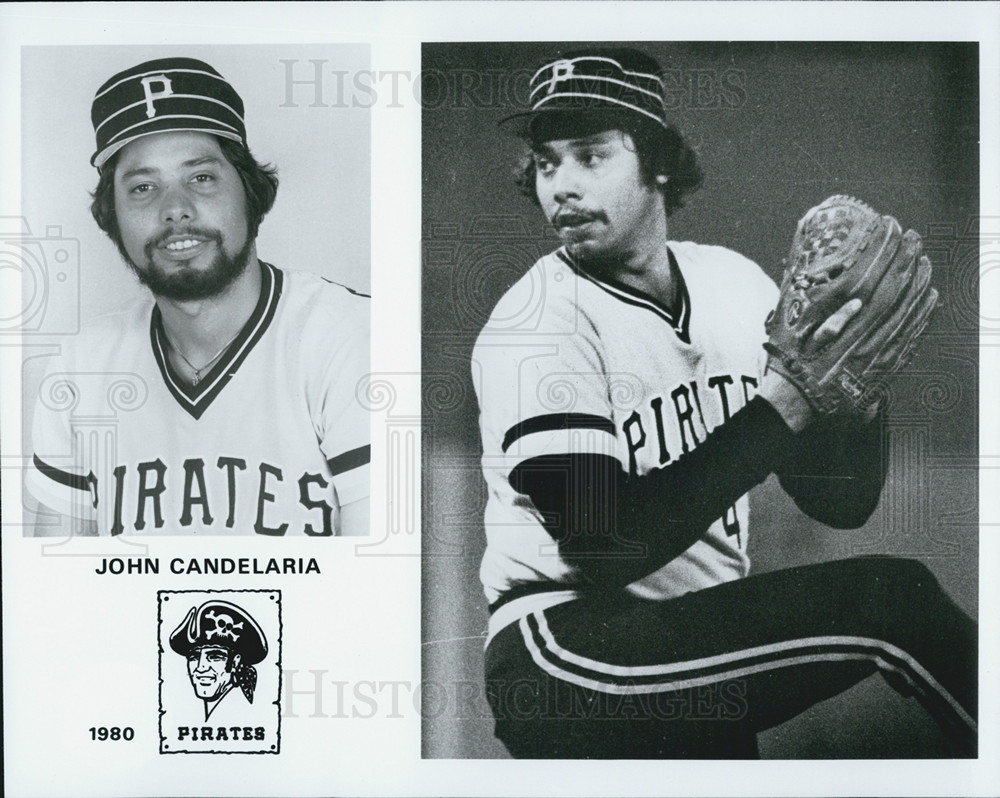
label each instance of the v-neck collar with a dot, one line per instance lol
(678, 318)
(195, 399)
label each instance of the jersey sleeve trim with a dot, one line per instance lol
(348, 461)
(79, 482)
(556, 421)
(75, 481)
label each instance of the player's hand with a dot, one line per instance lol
(787, 399)
(834, 325)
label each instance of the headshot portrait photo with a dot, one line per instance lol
(212, 402)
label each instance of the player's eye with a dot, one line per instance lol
(591, 157)
(544, 166)
(204, 178)
(141, 188)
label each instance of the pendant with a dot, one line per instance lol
(197, 377)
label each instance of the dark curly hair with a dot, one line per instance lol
(260, 185)
(661, 151)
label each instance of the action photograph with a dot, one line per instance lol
(700, 367)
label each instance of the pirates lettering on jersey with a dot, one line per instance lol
(273, 441)
(679, 416)
(149, 494)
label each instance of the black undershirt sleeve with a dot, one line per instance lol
(835, 471)
(616, 528)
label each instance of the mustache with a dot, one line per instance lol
(172, 232)
(567, 217)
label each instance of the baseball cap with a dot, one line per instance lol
(167, 94)
(612, 82)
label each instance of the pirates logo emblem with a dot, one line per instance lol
(220, 671)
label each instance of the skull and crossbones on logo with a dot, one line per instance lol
(224, 626)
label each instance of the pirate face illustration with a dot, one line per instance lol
(222, 643)
(211, 671)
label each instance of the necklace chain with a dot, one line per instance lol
(199, 369)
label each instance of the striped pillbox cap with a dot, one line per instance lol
(619, 79)
(168, 94)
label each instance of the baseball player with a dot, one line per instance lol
(226, 402)
(622, 427)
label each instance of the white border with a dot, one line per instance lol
(390, 764)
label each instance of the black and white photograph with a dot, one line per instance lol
(634, 361)
(192, 360)
(700, 399)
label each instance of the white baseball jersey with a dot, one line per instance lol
(569, 363)
(270, 441)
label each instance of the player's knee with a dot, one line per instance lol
(910, 575)
(902, 589)
(881, 569)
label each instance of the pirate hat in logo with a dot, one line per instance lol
(222, 624)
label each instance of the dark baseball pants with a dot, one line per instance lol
(617, 677)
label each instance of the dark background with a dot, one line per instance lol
(778, 128)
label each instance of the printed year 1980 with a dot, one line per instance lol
(114, 733)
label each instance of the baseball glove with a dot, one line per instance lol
(844, 250)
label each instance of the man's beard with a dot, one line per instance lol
(185, 284)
